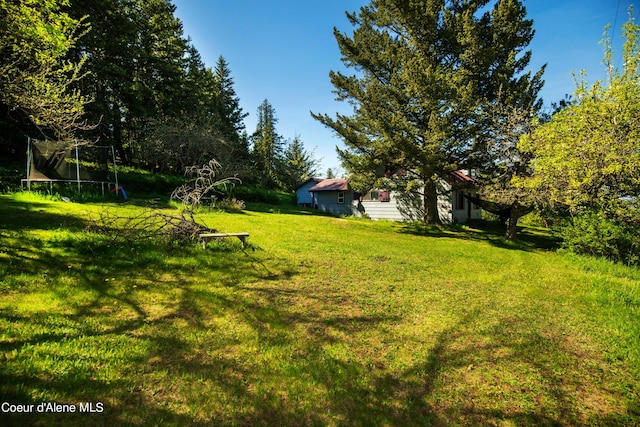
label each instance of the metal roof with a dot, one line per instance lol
(314, 180)
(462, 177)
(340, 184)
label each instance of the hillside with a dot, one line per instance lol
(321, 321)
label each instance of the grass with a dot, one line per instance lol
(323, 321)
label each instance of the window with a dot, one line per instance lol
(340, 198)
(377, 196)
(459, 200)
(372, 195)
(473, 205)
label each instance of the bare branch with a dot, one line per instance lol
(203, 181)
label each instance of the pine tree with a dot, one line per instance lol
(229, 110)
(139, 63)
(425, 71)
(230, 118)
(300, 164)
(267, 146)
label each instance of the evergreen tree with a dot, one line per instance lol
(231, 117)
(267, 146)
(142, 69)
(152, 96)
(110, 47)
(426, 69)
(299, 164)
(229, 110)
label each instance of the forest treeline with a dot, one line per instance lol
(123, 73)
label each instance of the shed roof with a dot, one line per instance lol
(314, 180)
(340, 184)
(461, 177)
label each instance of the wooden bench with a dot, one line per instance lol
(208, 236)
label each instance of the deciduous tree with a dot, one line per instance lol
(36, 78)
(588, 155)
(504, 163)
(587, 159)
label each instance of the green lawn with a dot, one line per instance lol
(322, 321)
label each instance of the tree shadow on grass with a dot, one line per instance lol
(482, 369)
(528, 239)
(287, 209)
(147, 358)
(118, 300)
(17, 215)
(192, 337)
(510, 373)
(463, 379)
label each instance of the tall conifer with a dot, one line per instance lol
(424, 70)
(267, 146)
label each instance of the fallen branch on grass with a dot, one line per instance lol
(149, 225)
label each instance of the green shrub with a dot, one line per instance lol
(11, 172)
(597, 235)
(255, 195)
(231, 204)
(137, 182)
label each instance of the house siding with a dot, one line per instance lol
(327, 201)
(409, 208)
(467, 211)
(303, 195)
(445, 208)
(382, 210)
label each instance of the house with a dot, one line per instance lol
(303, 196)
(333, 196)
(453, 206)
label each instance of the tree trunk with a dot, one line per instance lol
(430, 200)
(117, 135)
(514, 215)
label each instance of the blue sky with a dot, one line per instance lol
(283, 50)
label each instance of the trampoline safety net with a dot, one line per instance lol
(59, 161)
